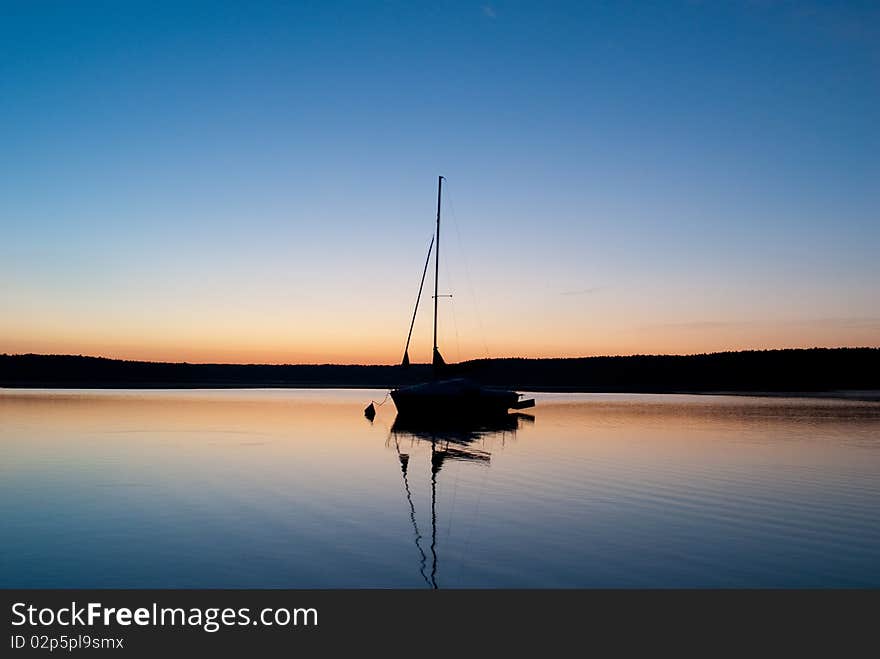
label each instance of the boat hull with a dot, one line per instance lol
(445, 399)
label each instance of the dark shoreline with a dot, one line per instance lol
(852, 373)
(842, 394)
(862, 395)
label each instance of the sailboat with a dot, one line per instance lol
(441, 398)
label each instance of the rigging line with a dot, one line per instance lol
(467, 272)
(418, 298)
(384, 400)
(452, 309)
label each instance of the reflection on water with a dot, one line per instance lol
(453, 440)
(294, 488)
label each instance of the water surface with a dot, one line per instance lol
(295, 488)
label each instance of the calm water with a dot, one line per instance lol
(295, 488)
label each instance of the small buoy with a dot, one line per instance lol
(370, 412)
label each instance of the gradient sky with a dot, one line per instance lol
(256, 182)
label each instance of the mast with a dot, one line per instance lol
(437, 359)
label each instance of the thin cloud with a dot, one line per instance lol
(489, 11)
(849, 322)
(842, 322)
(696, 325)
(582, 291)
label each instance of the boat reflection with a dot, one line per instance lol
(449, 440)
(458, 439)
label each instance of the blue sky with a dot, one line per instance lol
(256, 181)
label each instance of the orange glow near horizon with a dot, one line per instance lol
(387, 353)
(338, 327)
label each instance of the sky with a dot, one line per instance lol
(256, 181)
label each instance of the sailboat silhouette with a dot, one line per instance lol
(448, 397)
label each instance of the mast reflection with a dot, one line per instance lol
(454, 439)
